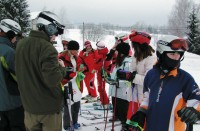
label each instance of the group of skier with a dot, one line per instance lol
(148, 89)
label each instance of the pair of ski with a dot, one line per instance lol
(93, 116)
(99, 123)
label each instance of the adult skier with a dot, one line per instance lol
(39, 74)
(11, 109)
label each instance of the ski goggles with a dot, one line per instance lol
(179, 44)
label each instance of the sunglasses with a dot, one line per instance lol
(179, 44)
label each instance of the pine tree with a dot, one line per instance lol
(17, 11)
(193, 34)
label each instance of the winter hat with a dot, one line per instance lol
(140, 37)
(65, 41)
(100, 45)
(123, 37)
(73, 45)
(10, 34)
(87, 43)
(123, 48)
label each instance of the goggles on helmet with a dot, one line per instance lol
(60, 27)
(176, 44)
(135, 33)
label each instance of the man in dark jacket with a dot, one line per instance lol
(11, 110)
(39, 74)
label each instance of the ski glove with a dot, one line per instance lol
(110, 55)
(125, 75)
(69, 73)
(189, 115)
(139, 118)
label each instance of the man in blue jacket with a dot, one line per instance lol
(11, 110)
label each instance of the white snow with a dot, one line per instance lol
(190, 63)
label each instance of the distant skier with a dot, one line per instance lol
(88, 58)
(102, 52)
(171, 96)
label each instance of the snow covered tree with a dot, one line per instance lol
(17, 11)
(194, 34)
(177, 21)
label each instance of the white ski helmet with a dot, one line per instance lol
(100, 45)
(122, 36)
(8, 24)
(50, 23)
(170, 43)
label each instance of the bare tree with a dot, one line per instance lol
(177, 22)
(63, 15)
(93, 32)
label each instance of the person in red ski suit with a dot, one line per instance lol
(102, 51)
(87, 59)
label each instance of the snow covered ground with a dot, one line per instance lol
(191, 64)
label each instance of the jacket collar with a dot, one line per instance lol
(173, 73)
(39, 34)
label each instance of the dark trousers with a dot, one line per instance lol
(121, 109)
(74, 111)
(12, 120)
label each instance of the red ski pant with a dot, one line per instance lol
(89, 83)
(101, 89)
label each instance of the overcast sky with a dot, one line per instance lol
(117, 12)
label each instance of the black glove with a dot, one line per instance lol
(189, 115)
(69, 73)
(125, 75)
(139, 117)
(110, 55)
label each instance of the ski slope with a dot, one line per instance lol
(191, 64)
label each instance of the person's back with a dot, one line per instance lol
(39, 74)
(11, 109)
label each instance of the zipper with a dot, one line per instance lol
(159, 91)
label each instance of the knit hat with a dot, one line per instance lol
(73, 45)
(140, 37)
(87, 43)
(100, 45)
(123, 48)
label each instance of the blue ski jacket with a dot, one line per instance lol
(7, 101)
(164, 96)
